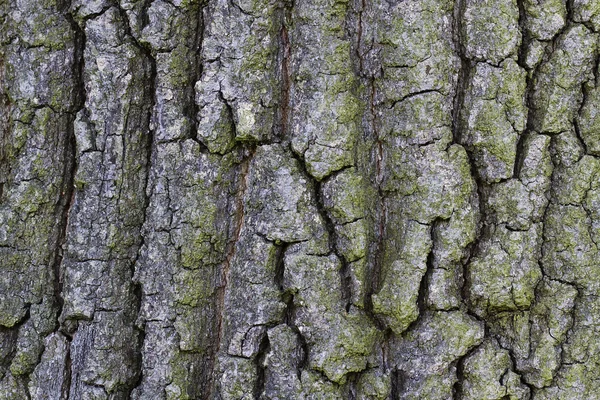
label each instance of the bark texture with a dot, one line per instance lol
(307, 199)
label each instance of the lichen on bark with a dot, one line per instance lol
(309, 199)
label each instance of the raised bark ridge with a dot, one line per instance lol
(366, 199)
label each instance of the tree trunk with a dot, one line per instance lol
(277, 199)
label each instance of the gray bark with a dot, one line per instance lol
(309, 199)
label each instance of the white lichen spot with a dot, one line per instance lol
(245, 119)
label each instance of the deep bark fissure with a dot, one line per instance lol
(459, 118)
(378, 215)
(530, 81)
(9, 338)
(397, 383)
(462, 85)
(577, 131)
(67, 191)
(260, 358)
(359, 33)
(285, 55)
(13, 334)
(424, 284)
(69, 194)
(278, 279)
(464, 73)
(198, 68)
(5, 128)
(225, 267)
(525, 36)
(457, 388)
(522, 380)
(351, 384)
(137, 286)
(66, 385)
(287, 297)
(63, 207)
(344, 272)
(150, 96)
(541, 256)
(376, 251)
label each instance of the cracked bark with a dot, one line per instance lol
(365, 199)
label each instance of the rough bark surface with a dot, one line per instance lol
(307, 199)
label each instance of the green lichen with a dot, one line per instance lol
(567, 68)
(510, 284)
(491, 29)
(403, 269)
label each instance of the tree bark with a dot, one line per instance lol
(309, 199)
